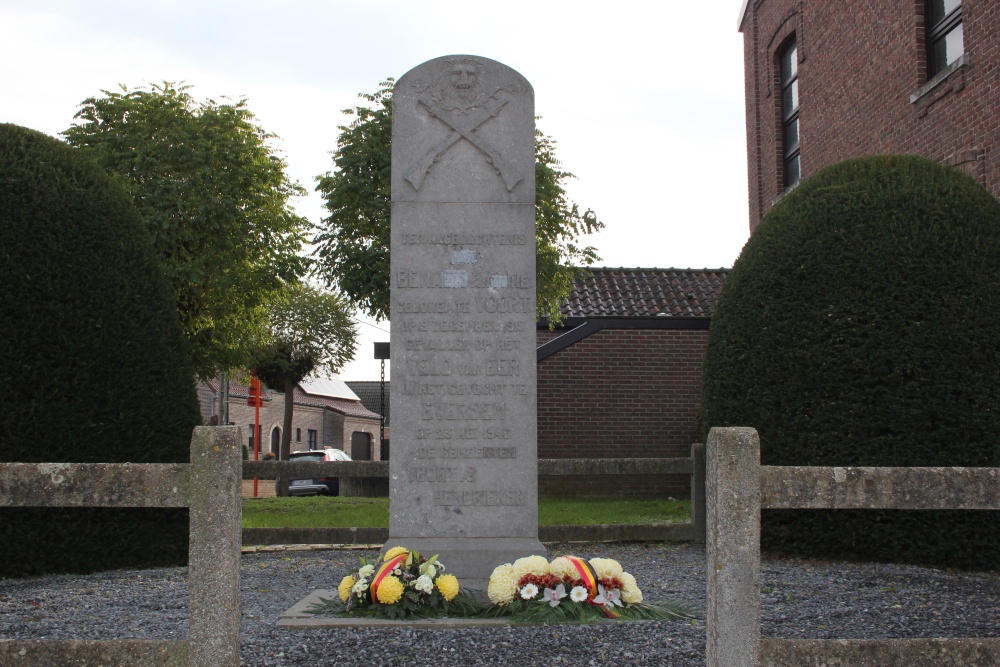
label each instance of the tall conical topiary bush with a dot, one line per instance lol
(94, 368)
(861, 326)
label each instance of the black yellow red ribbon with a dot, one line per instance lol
(587, 574)
(384, 570)
(589, 578)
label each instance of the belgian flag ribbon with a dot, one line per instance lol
(383, 571)
(587, 574)
(589, 578)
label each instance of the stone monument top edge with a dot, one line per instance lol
(463, 131)
(495, 66)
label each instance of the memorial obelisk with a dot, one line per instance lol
(463, 465)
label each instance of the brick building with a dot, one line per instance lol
(376, 399)
(327, 414)
(621, 377)
(826, 81)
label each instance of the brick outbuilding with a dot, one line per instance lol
(826, 81)
(621, 376)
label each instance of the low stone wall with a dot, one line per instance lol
(678, 532)
(738, 487)
(209, 487)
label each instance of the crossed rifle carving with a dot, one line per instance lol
(465, 130)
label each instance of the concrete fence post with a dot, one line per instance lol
(733, 547)
(216, 513)
(698, 491)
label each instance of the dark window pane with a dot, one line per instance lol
(790, 99)
(941, 8)
(791, 136)
(791, 171)
(789, 63)
(946, 50)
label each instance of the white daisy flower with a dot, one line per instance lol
(578, 594)
(529, 592)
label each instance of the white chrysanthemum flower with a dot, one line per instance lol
(630, 591)
(606, 568)
(366, 571)
(503, 585)
(563, 567)
(360, 587)
(578, 594)
(423, 583)
(529, 592)
(536, 565)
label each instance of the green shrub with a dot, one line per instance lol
(94, 368)
(861, 326)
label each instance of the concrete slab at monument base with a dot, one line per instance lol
(296, 618)
(472, 559)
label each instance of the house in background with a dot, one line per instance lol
(327, 414)
(827, 81)
(621, 376)
(370, 392)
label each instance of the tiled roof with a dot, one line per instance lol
(237, 389)
(369, 393)
(351, 408)
(608, 292)
(341, 405)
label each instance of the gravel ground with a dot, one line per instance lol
(801, 599)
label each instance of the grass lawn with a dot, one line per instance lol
(326, 512)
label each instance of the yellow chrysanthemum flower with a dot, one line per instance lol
(393, 552)
(390, 590)
(346, 584)
(536, 565)
(606, 567)
(448, 585)
(630, 591)
(562, 567)
(503, 585)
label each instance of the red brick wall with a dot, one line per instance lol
(621, 393)
(859, 63)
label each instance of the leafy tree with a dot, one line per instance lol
(860, 327)
(215, 200)
(353, 246)
(310, 330)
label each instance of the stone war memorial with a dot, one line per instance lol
(463, 472)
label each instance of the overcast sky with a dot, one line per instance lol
(645, 99)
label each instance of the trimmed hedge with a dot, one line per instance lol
(94, 368)
(861, 326)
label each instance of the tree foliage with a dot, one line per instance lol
(310, 330)
(215, 199)
(353, 245)
(860, 326)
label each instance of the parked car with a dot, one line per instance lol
(313, 486)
